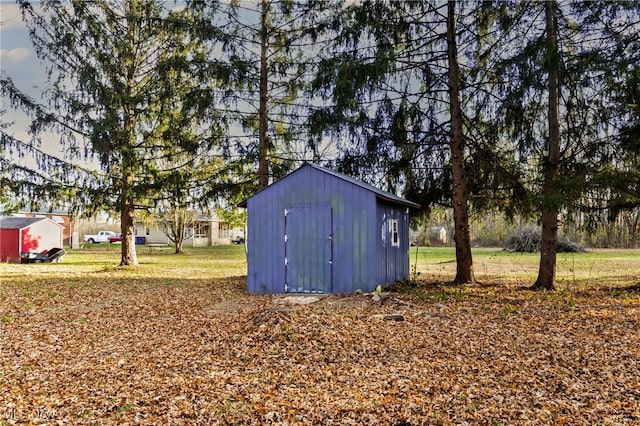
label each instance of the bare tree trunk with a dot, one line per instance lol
(547, 270)
(179, 244)
(464, 261)
(635, 228)
(263, 138)
(631, 220)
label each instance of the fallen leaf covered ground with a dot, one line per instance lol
(113, 348)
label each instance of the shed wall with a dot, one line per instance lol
(9, 245)
(392, 260)
(40, 236)
(353, 224)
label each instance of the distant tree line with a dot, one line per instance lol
(494, 230)
(518, 109)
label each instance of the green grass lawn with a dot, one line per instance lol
(431, 264)
(598, 267)
(610, 268)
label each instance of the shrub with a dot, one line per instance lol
(527, 239)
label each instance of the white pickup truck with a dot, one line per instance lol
(100, 237)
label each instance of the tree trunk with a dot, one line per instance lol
(550, 197)
(464, 261)
(632, 221)
(180, 228)
(127, 203)
(127, 227)
(263, 139)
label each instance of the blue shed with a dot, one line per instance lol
(319, 231)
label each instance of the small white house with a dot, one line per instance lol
(205, 231)
(438, 235)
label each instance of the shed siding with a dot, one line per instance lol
(42, 235)
(9, 245)
(355, 242)
(309, 249)
(392, 261)
(352, 229)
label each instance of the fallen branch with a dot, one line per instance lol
(402, 302)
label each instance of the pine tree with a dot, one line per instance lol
(460, 197)
(558, 86)
(550, 208)
(270, 48)
(127, 92)
(391, 77)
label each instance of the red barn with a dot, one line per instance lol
(27, 235)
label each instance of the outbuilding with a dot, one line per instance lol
(28, 235)
(319, 231)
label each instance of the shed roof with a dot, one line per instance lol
(380, 194)
(17, 222)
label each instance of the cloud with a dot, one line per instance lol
(10, 16)
(18, 54)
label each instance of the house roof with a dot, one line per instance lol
(380, 194)
(46, 210)
(17, 222)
